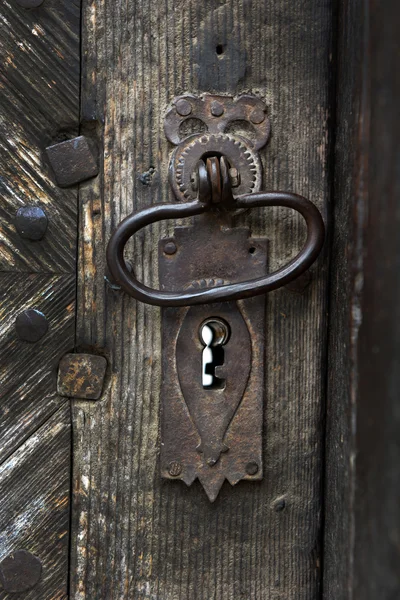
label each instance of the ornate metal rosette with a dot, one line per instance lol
(239, 153)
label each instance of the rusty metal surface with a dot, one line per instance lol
(31, 222)
(81, 376)
(20, 572)
(239, 153)
(72, 161)
(211, 410)
(218, 113)
(216, 173)
(212, 434)
(227, 292)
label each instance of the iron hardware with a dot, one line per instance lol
(213, 317)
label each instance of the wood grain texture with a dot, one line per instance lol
(39, 105)
(135, 536)
(363, 453)
(34, 501)
(377, 493)
(39, 96)
(28, 371)
(345, 297)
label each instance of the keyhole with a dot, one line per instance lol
(214, 334)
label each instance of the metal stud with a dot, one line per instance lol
(20, 572)
(72, 161)
(31, 222)
(31, 325)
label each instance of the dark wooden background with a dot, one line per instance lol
(362, 459)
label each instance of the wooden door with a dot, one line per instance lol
(85, 513)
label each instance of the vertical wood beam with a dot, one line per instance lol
(134, 535)
(362, 495)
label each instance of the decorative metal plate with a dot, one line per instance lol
(212, 434)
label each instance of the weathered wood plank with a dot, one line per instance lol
(34, 505)
(135, 536)
(39, 93)
(362, 451)
(377, 492)
(28, 370)
(39, 98)
(344, 304)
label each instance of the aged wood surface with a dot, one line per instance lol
(34, 498)
(134, 535)
(350, 186)
(377, 493)
(39, 105)
(362, 556)
(28, 371)
(39, 90)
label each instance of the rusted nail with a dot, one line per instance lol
(252, 468)
(257, 116)
(217, 109)
(183, 107)
(20, 572)
(30, 3)
(300, 284)
(31, 222)
(174, 468)
(72, 161)
(31, 325)
(147, 176)
(81, 376)
(170, 247)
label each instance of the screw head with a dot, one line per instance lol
(20, 572)
(174, 468)
(170, 247)
(31, 222)
(257, 116)
(30, 3)
(217, 109)
(252, 468)
(183, 107)
(31, 325)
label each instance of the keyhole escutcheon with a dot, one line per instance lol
(214, 334)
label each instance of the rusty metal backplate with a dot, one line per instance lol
(212, 434)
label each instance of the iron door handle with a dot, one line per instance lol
(233, 291)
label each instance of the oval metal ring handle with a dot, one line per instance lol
(234, 291)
